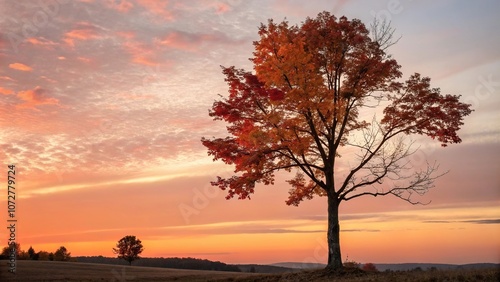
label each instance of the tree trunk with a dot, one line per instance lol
(333, 236)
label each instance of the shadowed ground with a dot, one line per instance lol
(74, 271)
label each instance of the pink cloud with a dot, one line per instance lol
(144, 60)
(36, 97)
(221, 8)
(122, 6)
(158, 7)
(83, 31)
(126, 34)
(83, 59)
(48, 79)
(5, 91)
(6, 78)
(21, 67)
(185, 41)
(41, 41)
(141, 53)
(193, 41)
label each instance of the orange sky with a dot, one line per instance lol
(103, 104)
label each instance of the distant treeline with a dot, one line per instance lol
(180, 263)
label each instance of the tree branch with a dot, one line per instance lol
(422, 182)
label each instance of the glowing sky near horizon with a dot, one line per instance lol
(103, 104)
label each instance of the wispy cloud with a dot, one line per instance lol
(5, 91)
(162, 9)
(83, 31)
(41, 41)
(20, 67)
(360, 230)
(473, 221)
(484, 221)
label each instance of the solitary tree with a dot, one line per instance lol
(62, 254)
(301, 111)
(128, 248)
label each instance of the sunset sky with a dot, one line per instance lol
(103, 105)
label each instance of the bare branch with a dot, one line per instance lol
(422, 182)
(382, 159)
(383, 33)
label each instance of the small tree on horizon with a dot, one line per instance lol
(62, 254)
(311, 101)
(369, 267)
(31, 253)
(44, 255)
(129, 248)
(6, 250)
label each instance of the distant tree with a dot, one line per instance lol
(6, 251)
(369, 267)
(129, 248)
(35, 256)
(23, 255)
(252, 269)
(62, 254)
(44, 255)
(311, 100)
(418, 269)
(31, 252)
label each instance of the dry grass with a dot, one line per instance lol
(460, 275)
(73, 271)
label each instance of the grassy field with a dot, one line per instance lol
(74, 271)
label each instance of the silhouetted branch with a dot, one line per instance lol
(383, 159)
(383, 33)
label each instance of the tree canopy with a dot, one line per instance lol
(129, 248)
(302, 109)
(62, 254)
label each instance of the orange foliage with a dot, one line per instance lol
(303, 102)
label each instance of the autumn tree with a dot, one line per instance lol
(128, 248)
(306, 105)
(369, 267)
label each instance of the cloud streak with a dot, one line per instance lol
(472, 221)
(20, 67)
